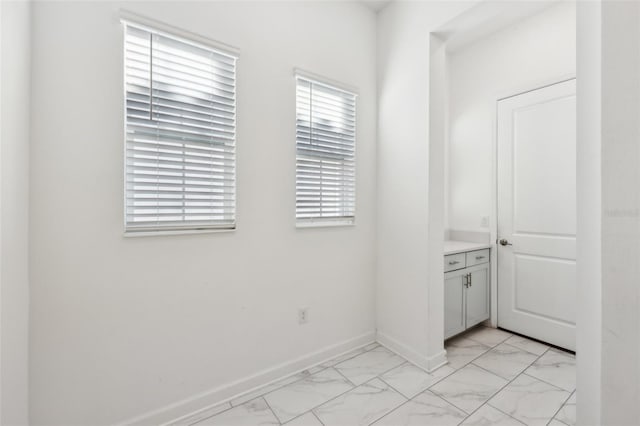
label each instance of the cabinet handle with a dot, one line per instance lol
(469, 275)
(479, 257)
(453, 262)
(466, 281)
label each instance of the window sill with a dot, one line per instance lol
(135, 234)
(326, 224)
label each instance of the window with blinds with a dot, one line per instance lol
(180, 133)
(325, 153)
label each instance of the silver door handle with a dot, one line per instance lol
(504, 242)
(470, 283)
(466, 281)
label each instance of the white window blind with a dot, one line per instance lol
(325, 152)
(180, 133)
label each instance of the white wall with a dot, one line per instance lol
(14, 202)
(620, 162)
(438, 112)
(403, 283)
(589, 208)
(121, 326)
(535, 51)
(608, 213)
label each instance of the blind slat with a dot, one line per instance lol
(325, 146)
(180, 133)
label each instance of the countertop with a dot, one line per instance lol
(453, 247)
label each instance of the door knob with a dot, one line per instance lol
(504, 242)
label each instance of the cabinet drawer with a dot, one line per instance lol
(477, 257)
(454, 261)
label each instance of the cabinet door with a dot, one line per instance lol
(477, 295)
(453, 303)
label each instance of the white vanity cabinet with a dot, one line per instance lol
(466, 290)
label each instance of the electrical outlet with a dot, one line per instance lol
(484, 221)
(303, 315)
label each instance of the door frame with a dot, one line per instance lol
(493, 219)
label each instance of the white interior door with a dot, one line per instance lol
(537, 214)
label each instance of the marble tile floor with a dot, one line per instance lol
(493, 378)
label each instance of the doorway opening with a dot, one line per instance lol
(505, 125)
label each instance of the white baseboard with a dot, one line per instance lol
(221, 394)
(428, 364)
(436, 361)
(403, 350)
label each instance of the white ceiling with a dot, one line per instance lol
(375, 5)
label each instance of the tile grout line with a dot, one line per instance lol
(398, 407)
(559, 421)
(491, 347)
(525, 374)
(393, 388)
(529, 352)
(349, 382)
(523, 350)
(346, 378)
(506, 414)
(316, 416)
(477, 356)
(307, 376)
(452, 404)
(331, 399)
(503, 387)
(271, 409)
(443, 377)
(427, 373)
(379, 377)
(511, 381)
(548, 383)
(396, 390)
(471, 363)
(342, 394)
(419, 393)
(561, 407)
(361, 351)
(274, 390)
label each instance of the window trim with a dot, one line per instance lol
(187, 37)
(326, 222)
(128, 17)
